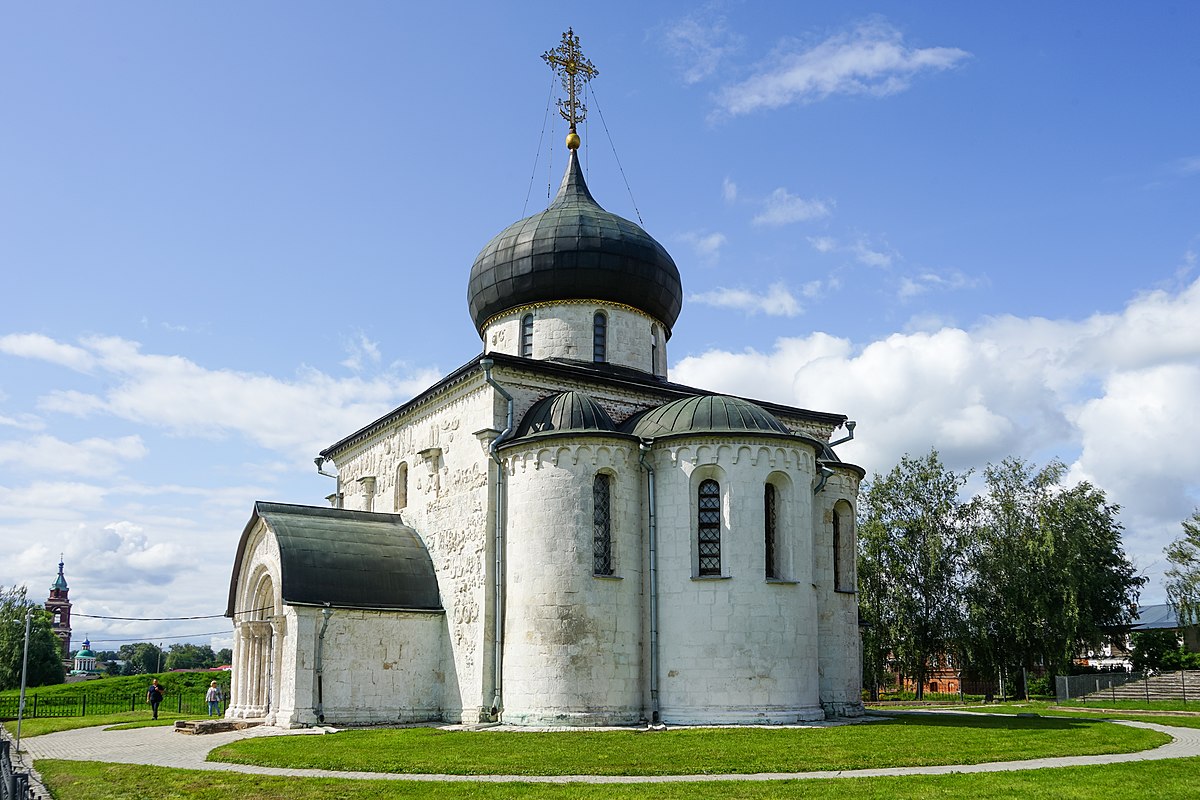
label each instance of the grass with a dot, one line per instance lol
(85, 780)
(130, 685)
(119, 721)
(898, 741)
(1159, 717)
(1138, 705)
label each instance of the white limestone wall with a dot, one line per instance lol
(736, 648)
(377, 666)
(572, 639)
(442, 448)
(564, 330)
(841, 645)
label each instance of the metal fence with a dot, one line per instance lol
(1102, 687)
(86, 703)
(14, 785)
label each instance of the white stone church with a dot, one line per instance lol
(557, 534)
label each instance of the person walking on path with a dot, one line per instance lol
(214, 699)
(154, 696)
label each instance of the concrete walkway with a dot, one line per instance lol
(164, 748)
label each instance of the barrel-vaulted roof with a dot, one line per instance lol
(347, 559)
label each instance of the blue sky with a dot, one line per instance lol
(233, 233)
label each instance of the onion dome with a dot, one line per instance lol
(565, 412)
(60, 582)
(574, 250)
(705, 414)
(86, 652)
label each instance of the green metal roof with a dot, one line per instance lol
(347, 559)
(565, 412)
(713, 413)
(60, 582)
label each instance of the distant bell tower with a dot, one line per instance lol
(60, 608)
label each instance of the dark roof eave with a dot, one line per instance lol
(567, 434)
(357, 607)
(582, 370)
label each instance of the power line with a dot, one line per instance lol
(153, 639)
(172, 619)
(149, 619)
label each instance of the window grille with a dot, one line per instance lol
(527, 336)
(708, 536)
(599, 338)
(602, 525)
(771, 517)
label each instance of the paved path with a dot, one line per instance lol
(165, 748)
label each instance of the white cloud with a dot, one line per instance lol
(1188, 166)
(823, 244)
(24, 422)
(95, 456)
(1113, 394)
(777, 301)
(865, 254)
(707, 246)
(783, 208)
(296, 417)
(699, 43)
(913, 285)
(361, 353)
(43, 348)
(729, 190)
(871, 59)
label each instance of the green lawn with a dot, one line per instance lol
(898, 741)
(84, 780)
(1133, 705)
(1160, 718)
(124, 719)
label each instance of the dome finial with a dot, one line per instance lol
(575, 70)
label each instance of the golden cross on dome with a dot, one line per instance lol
(576, 70)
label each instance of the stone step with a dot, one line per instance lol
(202, 726)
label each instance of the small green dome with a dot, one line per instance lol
(705, 414)
(60, 583)
(566, 411)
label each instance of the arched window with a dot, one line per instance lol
(401, 486)
(843, 549)
(654, 349)
(837, 550)
(527, 336)
(708, 528)
(599, 337)
(602, 561)
(771, 530)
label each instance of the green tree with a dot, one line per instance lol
(910, 567)
(224, 656)
(45, 650)
(141, 658)
(1150, 648)
(1183, 576)
(190, 656)
(1048, 574)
